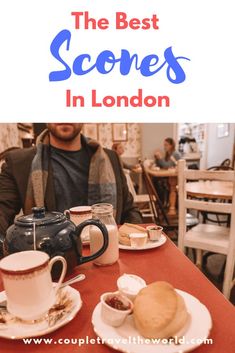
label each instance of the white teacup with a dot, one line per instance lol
(78, 215)
(28, 284)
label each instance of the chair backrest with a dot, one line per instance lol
(130, 184)
(4, 153)
(225, 165)
(220, 167)
(185, 203)
(159, 213)
(226, 162)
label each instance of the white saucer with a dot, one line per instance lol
(149, 245)
(15, 329)
(199, 328)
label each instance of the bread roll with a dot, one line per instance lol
(159, 311)
(126, 229)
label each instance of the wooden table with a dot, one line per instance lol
(210, 189)
(166, 263)
(171, 174)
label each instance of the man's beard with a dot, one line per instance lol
(65, 132)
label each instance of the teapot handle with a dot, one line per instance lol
(79, 228)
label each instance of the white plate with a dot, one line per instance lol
(16, 329)
(149, 245)
(199, 328)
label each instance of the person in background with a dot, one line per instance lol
(171, 155)
(169, 161)
(63, 170)
(119, 149)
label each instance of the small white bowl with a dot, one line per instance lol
(154, 232)
(112, 316)
(129, 290)
(138, 240)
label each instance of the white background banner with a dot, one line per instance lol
(201, 30)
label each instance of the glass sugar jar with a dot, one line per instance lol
(104, 212)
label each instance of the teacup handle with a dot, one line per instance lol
(67, 214)
(64, 269)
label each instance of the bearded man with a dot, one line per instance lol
(64, 170)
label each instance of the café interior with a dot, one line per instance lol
(181, 179)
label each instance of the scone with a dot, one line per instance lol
(126, 229)
(159, 311)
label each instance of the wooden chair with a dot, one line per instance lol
(4, 153)
(216, 217)
(220, 167)
(233, 159)
(208, 237)
(226, 163)
(139, 199)
(159, 213)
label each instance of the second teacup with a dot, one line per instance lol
(78, 215)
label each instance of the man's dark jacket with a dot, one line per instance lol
(14, 181)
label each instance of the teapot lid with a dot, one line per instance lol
(40, 217)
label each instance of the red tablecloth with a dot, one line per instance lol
(164, 263)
